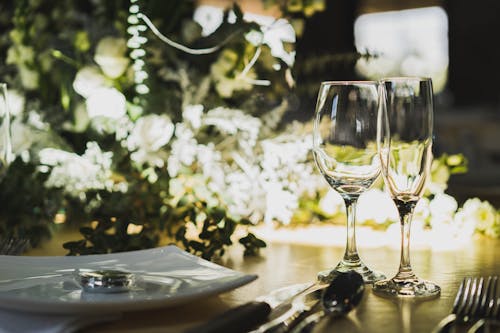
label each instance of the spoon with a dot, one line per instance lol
(342, 295)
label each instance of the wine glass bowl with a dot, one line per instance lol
(345, 152)
(405, 127)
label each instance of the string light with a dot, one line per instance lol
(137, 52)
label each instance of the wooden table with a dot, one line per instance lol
(286, 264)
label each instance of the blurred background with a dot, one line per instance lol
(454, 42)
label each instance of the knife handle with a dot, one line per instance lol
(239, 319)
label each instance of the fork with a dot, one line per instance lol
(475, 300)
(492, 320)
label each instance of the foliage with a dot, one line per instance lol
(138, 124)
(136, 137)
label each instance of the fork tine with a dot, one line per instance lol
(491, 297)
(483, 306)
(474, 309)
(471, 300)
(466, 298)
(460, 297)
(496, 313)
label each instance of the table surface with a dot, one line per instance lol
(282, 264)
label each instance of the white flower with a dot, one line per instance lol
(16, 102)
(23, 138)
(449, 229)
(151, 132)
(35, 120)
(183, 150)
(192, 115)
(332, 202)
(30, 135)
(378, 206)
(442, 207)
(110, 56)
(148, 136)
(244, 194)
(235, 122)
(275, 35)
(274, 32)
(87, 80)
(210, 162)
(208, 17)
(230, 121)
(422, 211)
(440, 174)
(484, 215)
(106, 102)
(284, 160)
(280, 204)
(78, 174)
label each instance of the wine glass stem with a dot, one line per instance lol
(351, 256)
(406, 213)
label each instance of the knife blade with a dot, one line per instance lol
(288, 314)
(271, 309)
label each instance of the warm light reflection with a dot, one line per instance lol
(438, 224)
(366, 237)
(60, 218)
(134, 229)
(410, 42)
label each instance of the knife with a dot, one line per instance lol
(288, 314)
(265, 313)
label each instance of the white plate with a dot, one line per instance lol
(47, 284)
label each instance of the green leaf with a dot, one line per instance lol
(238, 12)
(197, 246)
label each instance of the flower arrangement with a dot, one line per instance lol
(134, 136)
(447, 224)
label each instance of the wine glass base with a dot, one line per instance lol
(368, 275)
(412, 287)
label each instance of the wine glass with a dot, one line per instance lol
(405, 148)
(345, 151)
(5, 134)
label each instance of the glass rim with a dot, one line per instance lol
(405, 78)
(348, 82)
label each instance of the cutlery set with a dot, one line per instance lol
(298, 308)
(298, 313)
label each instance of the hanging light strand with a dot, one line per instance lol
(137, 51)
(181, 47)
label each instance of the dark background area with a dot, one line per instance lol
(467, 112)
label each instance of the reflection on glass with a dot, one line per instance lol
(345, 151)
(405, 128)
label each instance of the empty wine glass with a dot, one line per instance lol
(5, 134)
(345, 151)
(405, 148)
